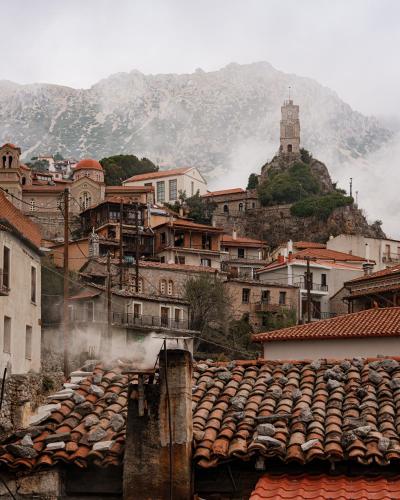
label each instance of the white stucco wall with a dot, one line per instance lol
(17, 305)
(335, 348)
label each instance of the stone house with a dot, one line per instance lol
(20, 290)
(329, 270)
(180, 241)
(169, 183)
(244, 429)
(383, 252)
(260, 302)
(374, 332)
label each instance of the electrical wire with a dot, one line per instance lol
(169, 421)
(26, 202)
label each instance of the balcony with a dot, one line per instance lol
(4, 283)
(132, 320)
(394, 258)
(261, 307)
(315, 287)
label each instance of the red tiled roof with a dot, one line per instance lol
(133, 189)
(328, 410)
(229, 240)
(324, 487)
(378, 274)
(378, 322)
(42, 188)
(18, 221)
(372, 290)
(308, 244)
(160, 173)
(189, 224)
(10, 145)
(143, 264)
(326, 254)
(88, 164)
(85, 294)
(223, 192)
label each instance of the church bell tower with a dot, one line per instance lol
(290, 129)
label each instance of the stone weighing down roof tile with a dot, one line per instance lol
(321, 487)
(294, 411)
(377, 322)
(383, 273)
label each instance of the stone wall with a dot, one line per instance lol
(52, 224)
(22, 394)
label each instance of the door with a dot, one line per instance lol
(164, 316)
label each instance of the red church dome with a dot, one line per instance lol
(88, 164)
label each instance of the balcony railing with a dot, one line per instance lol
(131, 320)
(270, 307)
(391, 258)
(318, 287)
(128, 319)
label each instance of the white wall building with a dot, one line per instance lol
(20, 291)
(385, 252)
(169, 183)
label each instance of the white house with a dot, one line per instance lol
(169, 183)
(385, 252)
(20, 290)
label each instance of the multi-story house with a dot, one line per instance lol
(383, 252)
(20, 290)
(181, 241)
(169, 183)
(243, 256)
(328, 271)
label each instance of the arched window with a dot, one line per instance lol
(32, 208)
(85, 200)
(240, 207)
(226, 209)
(163, 287)
(23, 181)
(170, 287)
(140, 285)
(289, 148)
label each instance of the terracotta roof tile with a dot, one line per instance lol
(184, 223)
(327, 254)
(19, 222)
(229, 240)
(157, 175)
(324, 487)
(223, 192)
(308, 244)
(277, 410)
(389, 271)
(378, 322)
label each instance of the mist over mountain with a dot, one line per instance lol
(218, 121)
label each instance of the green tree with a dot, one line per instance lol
(252, 182)
(39, 165)
(58, 157)
(196, 208)
(120, 167)
(320, 206)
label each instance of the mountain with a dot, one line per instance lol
(205, 119)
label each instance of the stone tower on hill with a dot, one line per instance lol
(290, 129)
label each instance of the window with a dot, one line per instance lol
(33, 284)
(282, 298)
(32, 207)
(170, 289)
(240, 207)
(387, 250)
(148, 184)
(137, 309)
(7, 335)
(164, 316)
(177, 315)
(6, 268)
(163, 238)
(132, 284)
(265, 296)
(163, 287)
(226, 209)
(253, 204)
(161, 191)
(85, 200)
(192, 188)
(241, 253)
(289, 148)
(173, 190)
(89, 306)
(28, 342)
(162, 259)
(323, 280)
(179, 259)
(206, 262)
(245, 295)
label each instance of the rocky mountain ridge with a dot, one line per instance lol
(202, 119)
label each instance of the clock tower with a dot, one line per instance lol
(290, 129)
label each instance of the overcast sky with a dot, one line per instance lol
(348, 45)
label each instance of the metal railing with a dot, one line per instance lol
(4, 283)
(131, 319)
(270, 307)
(318, 287)
(391, 258)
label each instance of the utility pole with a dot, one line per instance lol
(308, 286)
(109, 312)
(121, 249)
(351, 186)
(66, 283)
(137, 248)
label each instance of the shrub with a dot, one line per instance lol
(305, 156)
(320, 206)
(253, 181)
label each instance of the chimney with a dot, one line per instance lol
(234, 234)
(147, 464)
(368, 268)
(281, 259)
(290, 247)
(181, 212)
(367, 251)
